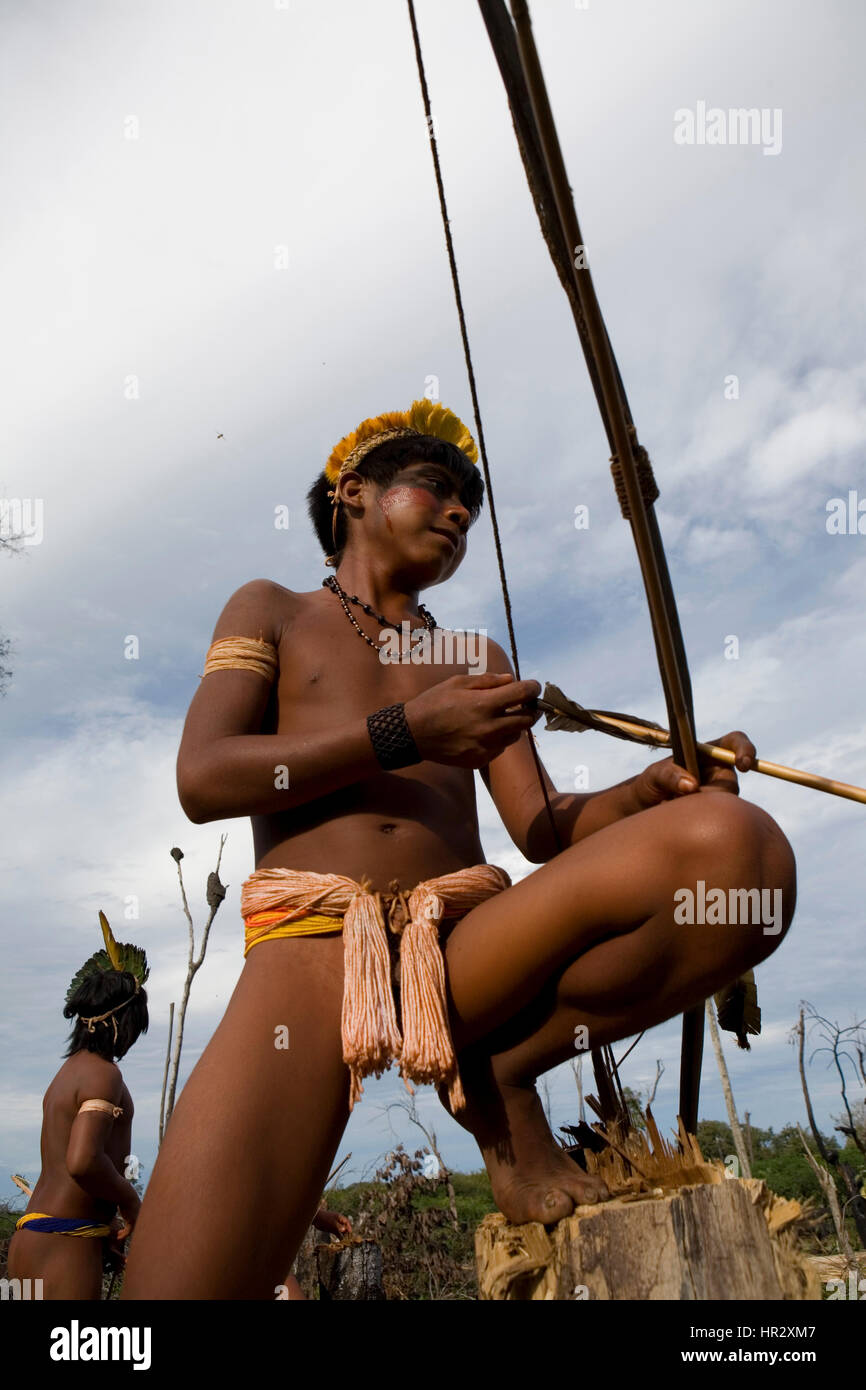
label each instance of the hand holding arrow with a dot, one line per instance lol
(563, 713)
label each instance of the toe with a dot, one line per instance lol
(587, 1190)
(556, 1205)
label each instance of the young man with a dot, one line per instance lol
(86, 1134)
(358, 775)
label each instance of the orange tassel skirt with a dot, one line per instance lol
(278, 903)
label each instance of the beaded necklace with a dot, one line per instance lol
(334, 585)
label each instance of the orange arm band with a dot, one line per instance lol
(242, 654)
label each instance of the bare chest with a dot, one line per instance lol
(328, 672)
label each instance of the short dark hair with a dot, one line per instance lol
(97, 993)
(381, 466)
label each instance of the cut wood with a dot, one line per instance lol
(676, 1227)
(350, 1269)
(837, 1266)
(702, 1241)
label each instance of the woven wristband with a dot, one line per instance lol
(392, 738)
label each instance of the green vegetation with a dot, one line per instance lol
(8, 1216)
(781, 1161)
(426, 1254)
(777, 1158)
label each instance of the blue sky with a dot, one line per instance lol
(163, 161)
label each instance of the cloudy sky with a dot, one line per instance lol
(220, 218)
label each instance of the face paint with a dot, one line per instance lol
(406, 496)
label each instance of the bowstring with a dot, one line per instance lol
(476, 408)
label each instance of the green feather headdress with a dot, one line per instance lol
(114, 956)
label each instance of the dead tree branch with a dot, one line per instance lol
(215, 893)
(739, 1143)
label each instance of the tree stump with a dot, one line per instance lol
(703, 1241)
(350, 1269)
(676, 1227)
(305, 1268)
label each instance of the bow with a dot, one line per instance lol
(516, 55)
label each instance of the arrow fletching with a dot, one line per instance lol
(562, 713)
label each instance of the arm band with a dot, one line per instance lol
(392, 738)
(242, 654)
(103, 1105)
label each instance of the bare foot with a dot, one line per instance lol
(531, 1177)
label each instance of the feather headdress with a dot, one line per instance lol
(422, 417)
(115, 956)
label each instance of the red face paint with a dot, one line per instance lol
(406, 496)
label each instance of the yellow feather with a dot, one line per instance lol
(110, 943)
(425, 416)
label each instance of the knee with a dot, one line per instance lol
(720, 827)
(732, 843)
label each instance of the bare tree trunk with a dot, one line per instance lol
(178, 1042)
(577, 1068)
(833, 1036)
(801, 1037)
(659, 1072)
(749, 1149)
(165, 1075)
(215, 894)
(855, 1201)
(828, 1187)
(739, 1145)
(851, 1130)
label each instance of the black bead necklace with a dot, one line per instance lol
(334, 585)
